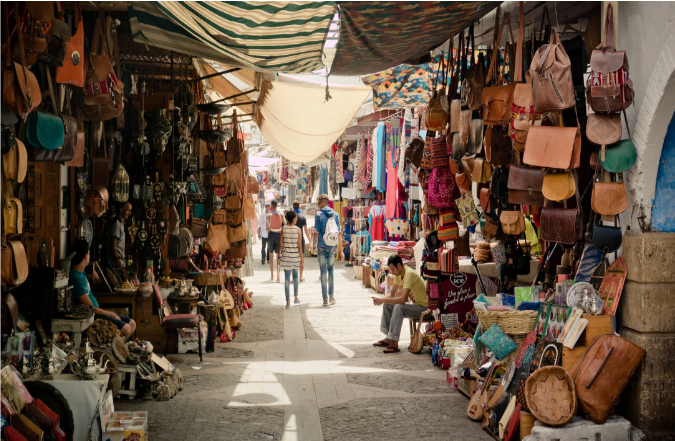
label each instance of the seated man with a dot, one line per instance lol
(407, 285)
(82, 291)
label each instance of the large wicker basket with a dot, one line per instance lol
(204, 279)
(551, 395)
(511, 322)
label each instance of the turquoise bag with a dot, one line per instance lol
(618, 157)
(45, 131)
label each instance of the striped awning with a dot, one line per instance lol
(274, 36)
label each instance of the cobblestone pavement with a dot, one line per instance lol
(309, 373)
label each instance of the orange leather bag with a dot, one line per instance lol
(72, 71)
(553, 147)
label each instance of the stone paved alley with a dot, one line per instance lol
(309, 373)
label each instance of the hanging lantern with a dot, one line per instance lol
(120, 185)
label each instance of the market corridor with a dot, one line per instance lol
(309, 373)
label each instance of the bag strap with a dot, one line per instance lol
(548, 19)
(492, 71)
(5, 24)
(463, 54)
(518, 77)
(22, 52)
(51, 93)
(609, 40)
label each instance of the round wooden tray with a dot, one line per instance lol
(551, 395)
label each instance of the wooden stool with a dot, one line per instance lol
(127, 373)
(429, 318)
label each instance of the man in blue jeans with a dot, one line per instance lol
(325, 253)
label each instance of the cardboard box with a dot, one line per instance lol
(121, 426)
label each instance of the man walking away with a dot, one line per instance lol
(304, 231)
(262, 231)
(327, 225)
(407, 285)
(275, 223)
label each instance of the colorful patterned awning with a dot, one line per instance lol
(375, 36)
(404, 85)
(274, 36)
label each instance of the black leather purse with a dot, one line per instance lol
(606, 238)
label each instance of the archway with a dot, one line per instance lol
(663, 214)
(651, 126)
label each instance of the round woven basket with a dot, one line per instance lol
(511, 322)
(551, 395)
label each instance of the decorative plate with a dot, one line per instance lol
(551, 395)
(120, 349)
(86, 231)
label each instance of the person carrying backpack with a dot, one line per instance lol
(275, 223)
(327, 225)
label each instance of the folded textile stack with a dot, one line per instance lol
(405, 250)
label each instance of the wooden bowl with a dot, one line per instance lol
(551, 396)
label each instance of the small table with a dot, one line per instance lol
(76, 326)
(183, 303)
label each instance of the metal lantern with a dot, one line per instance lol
(120, 185)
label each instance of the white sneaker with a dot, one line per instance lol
(325, 303)
(332, 301)
(296, 301)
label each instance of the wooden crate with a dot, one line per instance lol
(127, 374)
(597, 325)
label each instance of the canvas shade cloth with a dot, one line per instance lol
(375, 36)
(297, 120)
(277, 36)
(404, 85)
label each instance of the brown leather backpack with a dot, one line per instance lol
(609, 88)
(551, 72)
(103, 99)
(602, 373)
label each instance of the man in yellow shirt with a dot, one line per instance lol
(407, 285)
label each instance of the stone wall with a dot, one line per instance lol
(647, 313)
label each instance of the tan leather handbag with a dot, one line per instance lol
(497, 104)
(603, 129)
(234, 218)
(513, 222)
(249, 207)
(218, 180)
(482, 170)
(237, 234)
(14, 263)
(553, 147)
(551, 72)
(609, 198)
(216, 238)
(15, 162)
(233, 202)
(455, 115)
(559, 186)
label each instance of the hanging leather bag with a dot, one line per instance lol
(35, 29)
(248, 207)
(609, 88)
(233, 202)
(103, 99)
(15, 162)
(497, 104)
(12, 213)
(603, 129)
(20, 88)
(553, 147)
(525, 186)
(551, 72)
(237, 234)
(474, 80)
(56, 44)
(14, 263)
(216, 238)
(72, 70)
(513, 222)
(609, 198)
(233, 218)
(558, 186)
(414, 151)
(482, 170)
(198, 227)
(562, 225)
(606, 238)
(603, 372)
(237, 251)
(498, 148)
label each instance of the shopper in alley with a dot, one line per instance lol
(327, 226)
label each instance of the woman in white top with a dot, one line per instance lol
(291, 256)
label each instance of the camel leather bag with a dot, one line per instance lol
(14, 263)
(553, 147)
(559, 186)
(72, 71)
(216, 238)
(603, 372)
(513, 222)
(551, 72)
(525, 186)
(497, 104)
(609, 198)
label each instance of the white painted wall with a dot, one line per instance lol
(646, 31)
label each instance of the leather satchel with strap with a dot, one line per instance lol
(609, 198)
(562, 225)
(482, 170)
(553, 147)
(498, 147)
(216, 237)
(15, 162)
(474, 80)
(20, 88)
(559, 186)
(12, 212)
(513, 222)
(525, 186)
(497, 99)
(609, 88)
(417, 342)
(14, 264)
